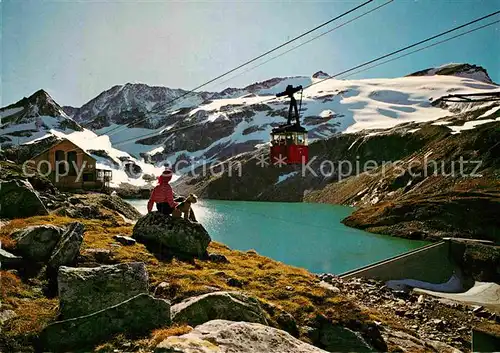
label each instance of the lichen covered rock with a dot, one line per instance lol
(36, 243)
(18, 199)
(83, 290)
(221, 336)
(68, 247)
(137, 315)
(173, 236)
(218, 305)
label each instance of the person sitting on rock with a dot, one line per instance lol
(163, 195)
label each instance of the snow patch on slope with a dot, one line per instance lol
(284, 177)
(340, 106)
(469, 125)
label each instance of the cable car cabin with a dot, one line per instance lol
(289, 145)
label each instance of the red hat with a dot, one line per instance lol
(166, 176)
(167, 172)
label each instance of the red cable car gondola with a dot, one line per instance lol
(289, 141)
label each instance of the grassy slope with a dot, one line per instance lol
(292, 289)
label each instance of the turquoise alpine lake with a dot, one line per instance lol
(298, 234)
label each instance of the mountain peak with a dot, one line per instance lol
(320, 74)
(40, 93)
(39, 103)
(30, 109)
(465, 70)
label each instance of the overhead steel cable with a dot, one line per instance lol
(406, 48)
(361, 65)
(306, 42)
(249, 62)
(423, 48)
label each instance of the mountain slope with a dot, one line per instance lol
(226, 127)
(32, 117)
(206, 127)
(423, 180)
(123, 104)
(474, 72)
(35, 123)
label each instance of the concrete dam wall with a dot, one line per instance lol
(434, 263)
(430, 263)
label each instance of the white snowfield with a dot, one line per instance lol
(342, 106)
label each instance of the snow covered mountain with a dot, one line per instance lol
(206, 127)
(33, 117)
(32, 124)
(123, 104)
(238, 120)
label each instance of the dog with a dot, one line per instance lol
(184, 208)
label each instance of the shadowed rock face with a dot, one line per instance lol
(69, 246)
(83, 291)
(335, 338)
(18, 199)
(172, 236)
(218, 305)
(9, 260)
(36, 243)
(221, 336)
(137, 315)
(460, 70)
(92, 206)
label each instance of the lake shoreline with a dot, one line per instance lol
(301, 234)
(285, 292)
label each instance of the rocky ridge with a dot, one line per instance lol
(31, 116)
(461, 70)
(413, 188)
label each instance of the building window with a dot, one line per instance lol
(72, 163)
(60, 157)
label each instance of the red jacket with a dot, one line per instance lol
(162, 193)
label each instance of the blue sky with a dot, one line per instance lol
(77, 49)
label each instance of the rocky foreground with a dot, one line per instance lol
(86, 273)
(434, 321)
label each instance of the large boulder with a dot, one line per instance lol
(112, 203)
(36, 243)
(285, 320)
(99, 206)
(336, 338)
(218, 305)
(8, 260)
(68, 247)
(86, 290)
(18, 199)
(221, 336)
(408, 343)
(137, 315)
(172, 236)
